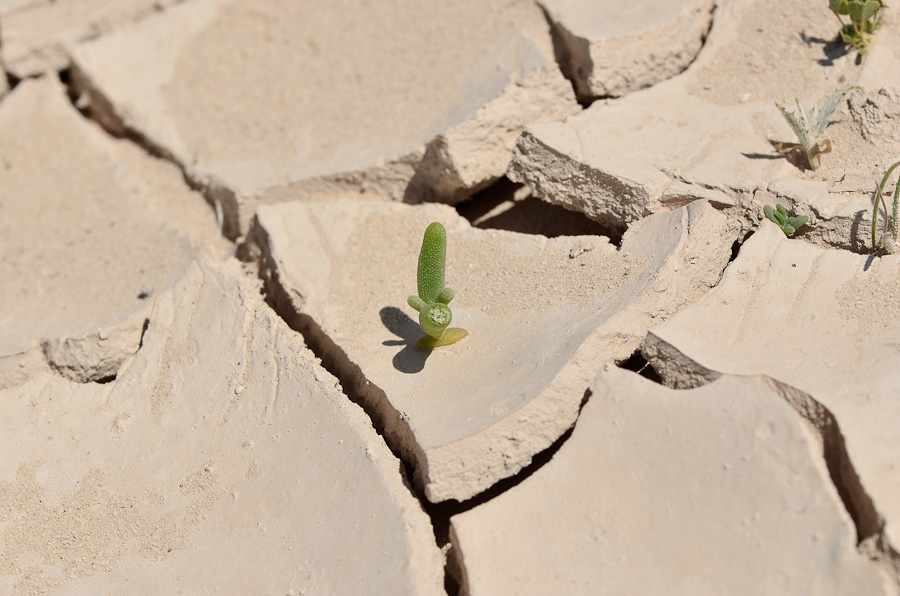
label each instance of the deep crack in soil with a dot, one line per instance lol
(94, 105)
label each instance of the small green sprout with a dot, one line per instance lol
(888, 241)
(864, 20)
(779, 216)
(809, 127)
(434, 297)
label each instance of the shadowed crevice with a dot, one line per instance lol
(858, 504)
(735, 250)
(636, 363)
(508, 206)
(562, 52)
(12, 81)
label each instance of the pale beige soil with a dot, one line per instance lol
(210, 217)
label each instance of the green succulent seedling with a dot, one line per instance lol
(889, 240)
(864, 20)
(434, 297)
(810, 126)
(788, 224)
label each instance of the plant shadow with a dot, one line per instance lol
(762, 156)
(857, 238)
(410, 359)
(831, 48)
(796, 156)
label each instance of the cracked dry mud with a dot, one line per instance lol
(210, 217)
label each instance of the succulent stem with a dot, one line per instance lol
(433, 298)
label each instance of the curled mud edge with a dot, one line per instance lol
(678, 371)
(442, 512)
(617, 192)
(573, 53)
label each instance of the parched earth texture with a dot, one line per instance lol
(210, 219)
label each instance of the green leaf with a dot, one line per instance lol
(896, 215)
(869, 9)
(452, 335)
(780, 208)
(798, 222)
(831, 102)
(782, 219)
(838, 6)
(770, 214)
(798, 125)
(855, 10)
(788, 229)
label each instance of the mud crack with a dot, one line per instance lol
(678, 371)
(94, 105)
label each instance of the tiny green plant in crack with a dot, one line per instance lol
(888, 242)
(434, 297)
(779, 216)
(810, 126)
(864, 20)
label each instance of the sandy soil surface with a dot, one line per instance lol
(210, 219)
